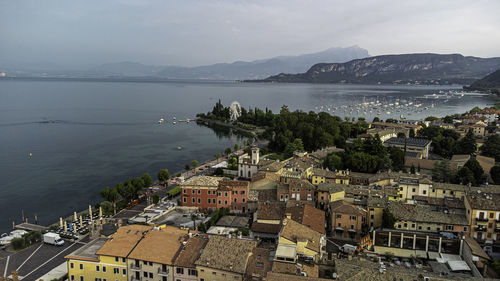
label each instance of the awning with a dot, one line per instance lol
(420, 254)
(352, 230)
(339, 229)
(458, 266)
(433, 255)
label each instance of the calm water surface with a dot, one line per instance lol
(88, 135)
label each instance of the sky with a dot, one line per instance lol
(75, 33)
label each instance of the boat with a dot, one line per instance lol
(179, 147)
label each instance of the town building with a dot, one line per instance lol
(424, 218)
(105, 259)
(153, 257)
(296, 189)
(347, 220)
(224, 259)
(201, 192)
(248, 165)
(307, 215)
(420, 146)
(184, 263)
(483, 214)
(233, 195)
(297, 241)
(267, 220)
(325, 176)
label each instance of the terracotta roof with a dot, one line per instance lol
(423, 163)
(342, 207)
(159, 246)
(228, 254)
(460, 157)
(301, 183)
(308, 216)
(191, 251)
(230, 184)
(266, 228)
(295, 231)
(259, 263)
(322, 153)
(324, 173)
(271, 276)
(202, 181)
(292, 269)
(376, 202)
(424, 213)
(484, 201)
(270, 210)
(123, 241)
(275, 166)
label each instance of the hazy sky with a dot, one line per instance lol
(198, 32)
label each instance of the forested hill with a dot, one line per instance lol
(489, 83)
(400, 69)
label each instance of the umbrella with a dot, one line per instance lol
(61, 225)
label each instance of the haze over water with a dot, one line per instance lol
(85, 136)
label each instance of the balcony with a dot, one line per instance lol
(481, 219)
(135, 267)
(480, 228)
(497, 229)
(162, 272)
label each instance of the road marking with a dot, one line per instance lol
(29, 257)
(49, 260)
(6, 266)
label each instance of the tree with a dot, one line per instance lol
(397, 158)
(217, 156)
(146, 178)
(431, 118)
(194, 164)
(491, 147)
(476, 169)
(107, 207)
(467, 144)
(442, 171)
(235, 147)
(465, 176)
(111, 195)
(495, 174)
(333, 162)
(193, 218)
(412, 169)
(376, 119)
(291, 147)
(232, 163)
(227, 151)
(388, 219)
(448, 119)
(156, 198)
(164, 176)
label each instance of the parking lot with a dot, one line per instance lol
(35, 261)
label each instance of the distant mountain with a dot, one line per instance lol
(402, 69)
(232, 71)
(489, 83)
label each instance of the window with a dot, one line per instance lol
(492, 215)
(352, 226)
(145, 262)
(185, 200)
(103, 269)
(192, 191)
(199, 191)
(220, 202)
(214, 273)
(243, 200)
(372, 217)
(225, 194)
(412, 225)
(97, 279)
(179, 270)
(184, 191)
(465, 228)
(124, 272)
(449, 227)
(428, 228)
(340, 224)
(413, 190)
(235, 200)
(424, 192)
(164, 278)
(96, 268)
(151, 275)
(199, 200)
(399, 226)
(72, 278)
(145, 274)
(72, 265)
(81, 266)
(353, 218)
(117, 259)
(193, 272)
(116, 270)
(339, 216)
(405, 224)
(223, 275)
(225, 202)
(242, 192)
(420, 227)
(81, 278)
(208, 200)
(193, 200)
(202, 279)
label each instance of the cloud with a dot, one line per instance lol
(196, 32)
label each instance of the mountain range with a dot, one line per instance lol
(489, 83)
(232, 71)
(425, 68)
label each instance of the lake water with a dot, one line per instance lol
(87, 135)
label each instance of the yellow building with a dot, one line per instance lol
(324, 176)
(299, 240)
(105, 259)
(375, 208)
(483, 214)
(153, 257)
